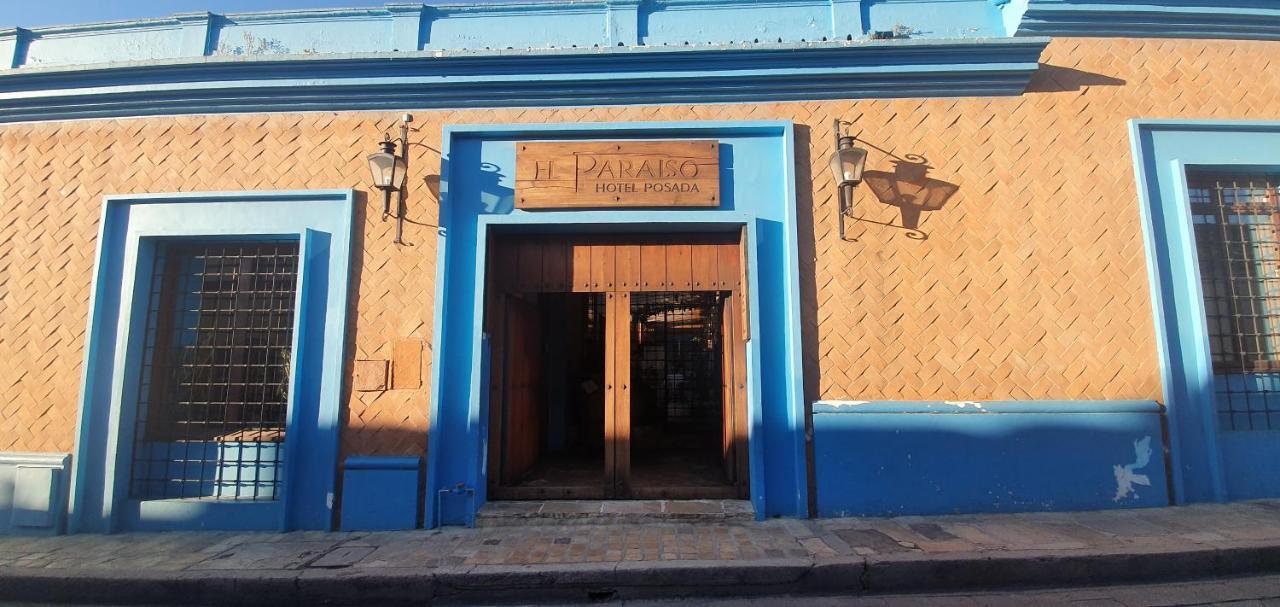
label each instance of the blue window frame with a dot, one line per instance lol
(234, 474)
(1209, 389)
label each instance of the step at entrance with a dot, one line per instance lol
(612, 512)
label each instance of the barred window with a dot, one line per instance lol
(1236, 218)
(215, 385)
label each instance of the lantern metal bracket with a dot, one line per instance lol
(845, 190)
(401, 151)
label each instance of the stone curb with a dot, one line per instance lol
(630, 580)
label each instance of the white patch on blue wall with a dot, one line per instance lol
(1126, 478)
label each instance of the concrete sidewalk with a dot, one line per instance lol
(581, 562)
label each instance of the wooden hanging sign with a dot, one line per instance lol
(558, 174)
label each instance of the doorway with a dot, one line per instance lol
(618, 368)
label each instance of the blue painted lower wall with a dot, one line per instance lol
(897, 458)
(380, 493)
(1250, 463)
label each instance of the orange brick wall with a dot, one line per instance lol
(1032, 283)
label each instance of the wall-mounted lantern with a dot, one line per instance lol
(847, 163)
(389, 168)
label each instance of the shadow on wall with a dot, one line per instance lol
(1058, 79)
(911, 190)
(416, 206)
(908, 187)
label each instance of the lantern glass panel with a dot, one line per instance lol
(388, 170)
(847, 165)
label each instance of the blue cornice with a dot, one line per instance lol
(751, 73)
(1234, 19)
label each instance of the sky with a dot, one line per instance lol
(36, 13)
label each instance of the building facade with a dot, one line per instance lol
(1052, 289)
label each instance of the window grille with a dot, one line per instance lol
(676, 356)
(214, 391)
(1236, 217)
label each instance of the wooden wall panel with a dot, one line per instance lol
(653, 267)
(679, 267)
(544, 263)
(580, 267)
(601, 267)
(705, 274)
(626, 261)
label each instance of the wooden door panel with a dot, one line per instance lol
(679, 267)
(616, 429)
(555, 265)
(653, 267)
(618, 343)
(728, 419)
(626, 260)
(735, 341)
(528, 266)
(558, 264)
(601, 267)
(705, 274)
(580, 256)
(727, 260)
(523, 423)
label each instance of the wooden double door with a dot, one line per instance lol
(618, 367)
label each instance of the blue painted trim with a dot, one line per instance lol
(132, 225)
(1035, 407)
(457, 432)
(1162, 151)
(1234, 19)
(845, 70)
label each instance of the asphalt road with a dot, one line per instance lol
(1254, 591)
(1237, 592)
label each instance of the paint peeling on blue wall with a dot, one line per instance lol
(1126, 475)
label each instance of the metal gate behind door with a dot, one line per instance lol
(676, 360)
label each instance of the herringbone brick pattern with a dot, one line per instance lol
(1032, 283)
